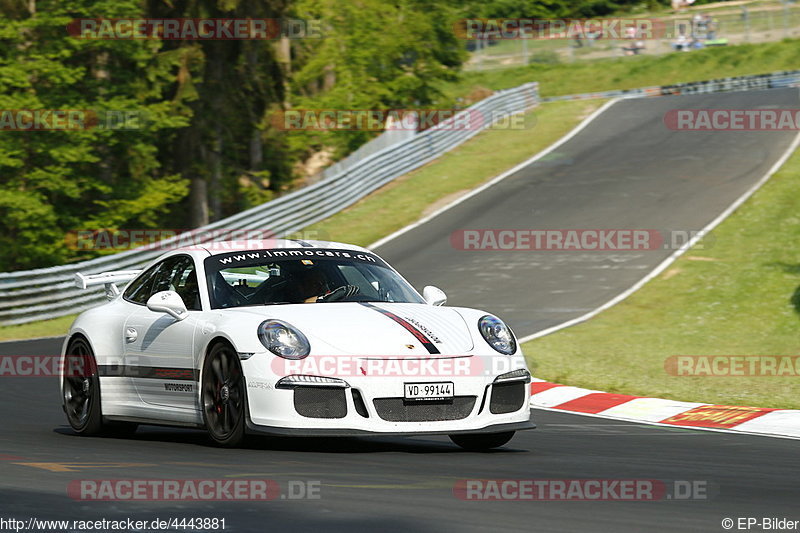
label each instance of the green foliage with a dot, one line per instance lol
(205, 145)
(375, 55)
(204, 108)
(555, 8)
(56, 181)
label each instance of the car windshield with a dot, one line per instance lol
(304, 275)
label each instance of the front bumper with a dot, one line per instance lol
(374, 405)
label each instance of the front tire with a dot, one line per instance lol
(481, 442)
(223, 396)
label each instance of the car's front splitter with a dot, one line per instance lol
(345, 432)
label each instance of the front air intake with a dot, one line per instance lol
(320, 402)
(507, 397)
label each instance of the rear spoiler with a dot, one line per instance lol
(109, 279)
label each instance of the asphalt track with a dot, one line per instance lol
(623, 171)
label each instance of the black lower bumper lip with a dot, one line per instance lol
(336, 432)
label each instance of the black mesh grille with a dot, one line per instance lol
(507, 397)
(320, 402)
(397, 410)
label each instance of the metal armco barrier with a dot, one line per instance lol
(775, 80)
(44, 293)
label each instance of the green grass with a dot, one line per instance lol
(414, 195)
(43, 328)
(740, 296)
(635, 71)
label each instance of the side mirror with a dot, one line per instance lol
(168, 302)
(434, 295)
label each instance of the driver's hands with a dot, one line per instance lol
(340, 293)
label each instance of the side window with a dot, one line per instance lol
(167, 274)
(140, 290)
(184, 282)
(173, 274)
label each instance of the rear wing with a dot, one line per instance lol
(109, 279)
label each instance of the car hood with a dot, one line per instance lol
(377, 329)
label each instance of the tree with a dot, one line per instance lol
(56, 181)
(221, 151)
(374, 55)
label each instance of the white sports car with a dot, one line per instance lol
(291, 338)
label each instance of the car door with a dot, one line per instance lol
(160, 349)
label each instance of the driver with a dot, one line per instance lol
(312, 285)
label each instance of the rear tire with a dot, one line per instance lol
(223, 396)
(81, 389)
(481, 442)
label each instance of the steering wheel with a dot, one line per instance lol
(338, 294)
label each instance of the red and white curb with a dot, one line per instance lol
(752, 420)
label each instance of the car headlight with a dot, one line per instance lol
(497, 334)
(283, 339)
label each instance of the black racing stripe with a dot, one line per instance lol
(302, 243)
(426, 342)
(149, 372)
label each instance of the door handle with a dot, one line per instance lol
(130, 335)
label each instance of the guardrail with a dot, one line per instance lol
(44, 293)
(755, 82)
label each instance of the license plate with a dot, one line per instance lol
(440, 390)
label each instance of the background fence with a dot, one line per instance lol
(44, 293)
(753, 22)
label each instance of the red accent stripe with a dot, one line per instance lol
(4, 457)
(426, 342)
(541, 386)
(595, 402)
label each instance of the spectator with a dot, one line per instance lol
(698, 26)
(634, 45)
(711, 27)
(578, 34)
(682, 43)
